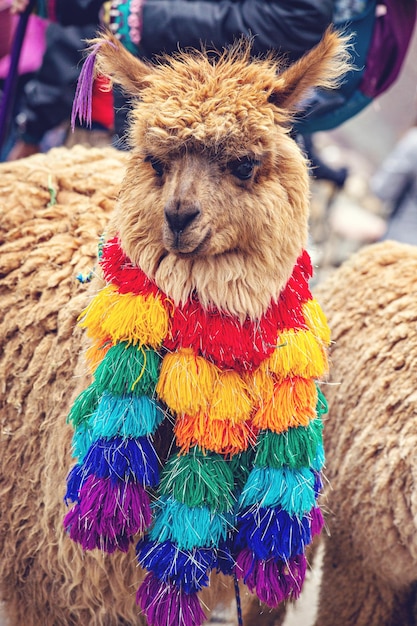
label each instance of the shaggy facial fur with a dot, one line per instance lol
(370, 563)
(215, 199)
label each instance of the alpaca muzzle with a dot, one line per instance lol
(182, 233)
(179, 219)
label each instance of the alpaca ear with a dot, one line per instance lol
(323, 66)
(115, 62)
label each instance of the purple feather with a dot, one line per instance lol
(83, 99)
(167, 605)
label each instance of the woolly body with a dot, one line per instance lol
(370, 563)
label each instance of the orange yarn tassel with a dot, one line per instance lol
(292, 404)
(221, 436)
(96, 353)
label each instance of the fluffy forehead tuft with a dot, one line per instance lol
(216, 101)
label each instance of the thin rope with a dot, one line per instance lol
(238, 603)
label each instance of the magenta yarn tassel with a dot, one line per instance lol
(317, 521)
(272, 581)
(83, 100)
(167, 605)
(107, 516)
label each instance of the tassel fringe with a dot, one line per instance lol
(166, 605)
(239, 493)
(198, 479)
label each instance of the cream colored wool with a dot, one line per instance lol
(45, 579)
(370, 563)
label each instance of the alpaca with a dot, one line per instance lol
(214, 202)
(370, 562)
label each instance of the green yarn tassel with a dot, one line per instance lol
(198, 479)
(322, 405)
(84, 406)
(128, 369)
(241, 464)
(296, 448)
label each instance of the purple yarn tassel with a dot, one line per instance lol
(83, 99)
(317, 521)
(168, 605)
(273, 581)
(107, 516)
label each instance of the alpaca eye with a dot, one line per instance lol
(243, 168)
(156, 164)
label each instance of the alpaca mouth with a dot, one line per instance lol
(183, 245)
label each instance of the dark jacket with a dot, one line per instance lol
(48, 96)
(287, 26)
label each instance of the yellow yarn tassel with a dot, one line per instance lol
(299, 353)
(230, 400)
(221, 436)
(186, 382)
(137, 319)
(126, 317)
(260, 385)
(293, 404)
(316, 320)
(93, 315)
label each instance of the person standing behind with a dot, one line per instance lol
(395, 184)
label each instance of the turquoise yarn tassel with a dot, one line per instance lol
(188, 527)
(292, 490)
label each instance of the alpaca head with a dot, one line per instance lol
(215, 197)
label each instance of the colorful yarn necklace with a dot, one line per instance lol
(238, 493)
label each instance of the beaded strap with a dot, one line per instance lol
(125, 21)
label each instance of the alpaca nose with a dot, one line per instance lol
(178, 218)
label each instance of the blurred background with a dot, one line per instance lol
(345, 219)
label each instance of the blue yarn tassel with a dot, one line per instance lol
(74, 482)
(226, 562)
(272, 533)
(188, 569)
(123, 459)
(188, 527)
